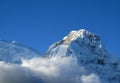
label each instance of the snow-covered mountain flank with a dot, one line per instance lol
(13, 52)
(90, 53)
(80, 57)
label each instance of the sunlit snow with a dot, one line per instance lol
(79, 57)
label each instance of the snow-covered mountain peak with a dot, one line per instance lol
(90, 52)
(77, 42)
(80, 34)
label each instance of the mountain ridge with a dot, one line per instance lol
(13, 52)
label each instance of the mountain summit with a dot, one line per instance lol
(76, 43)
(82, 33)
(90, 53)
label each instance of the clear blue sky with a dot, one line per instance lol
(39, 23)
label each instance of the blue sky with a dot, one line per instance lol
(39, 23)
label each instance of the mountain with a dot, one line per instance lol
(90, 53)
(80, 57)
(13, 52)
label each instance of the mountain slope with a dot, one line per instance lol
(13, 52)
(90, 53)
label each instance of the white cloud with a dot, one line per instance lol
(92, 78)
(11, 73)
(55, 69)
(46, 70)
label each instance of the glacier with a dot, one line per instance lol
(80, 57)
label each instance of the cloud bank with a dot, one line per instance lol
(46, 70)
